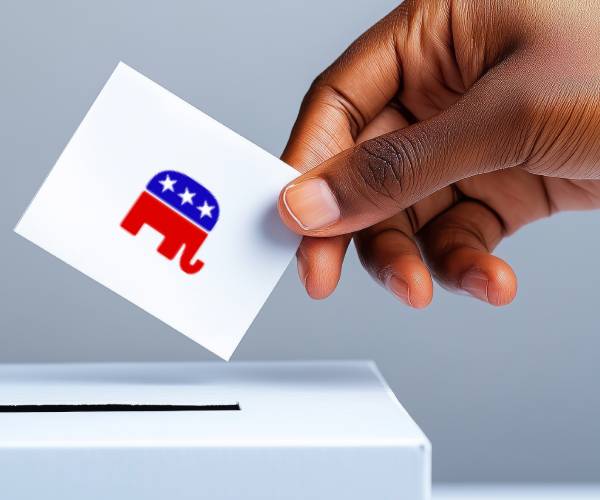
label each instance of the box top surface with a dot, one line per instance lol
(281, 404)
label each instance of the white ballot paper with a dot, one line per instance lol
(168, 208)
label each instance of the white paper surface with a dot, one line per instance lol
(134, 131)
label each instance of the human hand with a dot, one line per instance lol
(447, 126)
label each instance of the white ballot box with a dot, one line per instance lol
(216, 431)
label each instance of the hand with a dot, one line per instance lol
(446, 127)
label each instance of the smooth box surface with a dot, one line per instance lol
(304, 430)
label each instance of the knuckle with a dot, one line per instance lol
(329, 96)
(318, 85)
(315, 91)
(387, 167)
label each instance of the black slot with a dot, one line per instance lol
(82, 408)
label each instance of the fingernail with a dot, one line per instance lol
(400, 289)
(302, 268)
(311, 204)
(476, 283)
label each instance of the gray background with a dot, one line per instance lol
(504, 394)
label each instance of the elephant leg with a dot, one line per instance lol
(169, 247)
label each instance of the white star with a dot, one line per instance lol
(168, 184)
(186, 197)
(206, 209)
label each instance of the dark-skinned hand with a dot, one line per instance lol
(447, 126)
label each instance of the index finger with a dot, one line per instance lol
(346, 97)
(339, 104)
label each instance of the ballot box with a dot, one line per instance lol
(216, 431)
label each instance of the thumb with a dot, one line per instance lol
(482, 132)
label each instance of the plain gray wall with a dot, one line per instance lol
(504, 394)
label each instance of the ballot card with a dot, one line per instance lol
(168, 208)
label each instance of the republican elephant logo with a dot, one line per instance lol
(180, 209)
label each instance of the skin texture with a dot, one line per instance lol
(446, 127)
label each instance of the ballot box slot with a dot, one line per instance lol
(113, 407)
